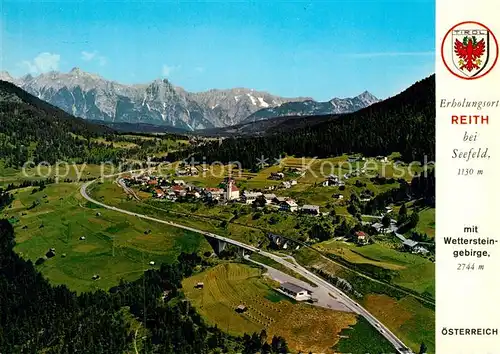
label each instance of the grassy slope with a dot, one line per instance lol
(406, 317)
(413, 272)
(115, 246)
(363, 338)
(305, 327)
(71, 171)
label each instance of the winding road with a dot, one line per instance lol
(340, 296)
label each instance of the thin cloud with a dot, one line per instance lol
(389, 54)
(94, 56)
(167, 70)
(88, 56)
(42, 63)
(199, 69)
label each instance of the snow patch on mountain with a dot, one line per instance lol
(262, 102)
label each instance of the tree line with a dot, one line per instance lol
(404, 123)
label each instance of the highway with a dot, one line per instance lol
(399, 346)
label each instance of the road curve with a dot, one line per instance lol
(399, 346)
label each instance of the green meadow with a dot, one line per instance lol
(116, 245)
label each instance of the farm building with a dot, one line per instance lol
(277, 175)
(152, 182)
(279, 200)
(378, 227)
(241, 308)
(269, 198)
(410, 244)
(214, 193)
(294, 291)
(310, 209)
(250, 197)
(159, 193)
(278, 241)
(199, 285)
(361, 237)
(289, 205)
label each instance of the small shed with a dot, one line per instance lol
(82, 238)
(95, 277)
(241, 308)
(151, 263)
(199, 285)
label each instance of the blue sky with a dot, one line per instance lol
(320, 49)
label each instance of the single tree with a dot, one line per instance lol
(423, 349)
(386, 221)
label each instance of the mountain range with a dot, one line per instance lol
(311, 107)
(159, 102)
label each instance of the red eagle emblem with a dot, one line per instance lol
(470, 52)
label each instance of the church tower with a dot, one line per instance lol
(229, 189)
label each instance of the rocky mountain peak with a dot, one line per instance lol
(367, 97)
(5, 76)
(159, 102)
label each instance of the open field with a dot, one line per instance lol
(362, 338)
(406, 318)
(305, 327)
(408, 270)
(427, 222)
(404, 315)
(115, 244)
(70, 171)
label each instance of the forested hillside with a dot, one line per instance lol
(31, 129)
(36, 317)
(404, 123)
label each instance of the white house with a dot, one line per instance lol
(286, 184)
(420, 250)
(250, 197)
(214, 193)
(293, 182)
(295, 291)
(289, 205)
(269, 198)
(179, 182)
(378, 227)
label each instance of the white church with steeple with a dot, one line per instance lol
(232, 192)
